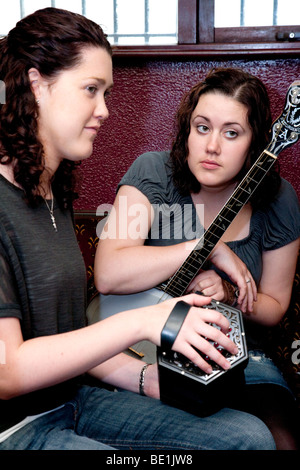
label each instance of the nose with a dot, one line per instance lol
(101, 110)
(213, 143)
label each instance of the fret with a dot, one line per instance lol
(230, 208)
(243, 197)
(248, 191)
(211, 236)
(261, 170)
(187, 272)
(185, 275)
(234, 202)
(216, 230)
(251, 179)
(221, 223)
(174, 290)
(189, 268)
(222, 218)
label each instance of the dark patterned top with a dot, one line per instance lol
(42, 283)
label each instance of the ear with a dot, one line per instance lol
(35, 80)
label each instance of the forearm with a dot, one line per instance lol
(45, 361)
(266, 311)
(120, 371)
(275, 288)
(137, 268)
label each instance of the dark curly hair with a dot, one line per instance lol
(247, 90)
(50, 40)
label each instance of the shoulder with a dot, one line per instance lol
(286, 193)
(150, 167)
(151, 161)
(151, 174)
(286, 202)
(282, 217)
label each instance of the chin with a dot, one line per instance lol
(78, 157)
(85, 154)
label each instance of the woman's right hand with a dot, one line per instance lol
(196, 332)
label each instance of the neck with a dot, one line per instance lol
(214, 197)
(45, 189)
(8, 172)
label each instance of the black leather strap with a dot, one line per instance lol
(173, 324)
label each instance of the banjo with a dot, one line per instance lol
(172, 367)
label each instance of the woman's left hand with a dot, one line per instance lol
(227, 261)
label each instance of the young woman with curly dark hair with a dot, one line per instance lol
(26, 47)
(57, 68)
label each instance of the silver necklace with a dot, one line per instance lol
(50, 209)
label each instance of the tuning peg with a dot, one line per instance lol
(293, 136)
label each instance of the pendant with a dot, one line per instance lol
(50, 209)
(53, 221)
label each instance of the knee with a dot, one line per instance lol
(256, 435)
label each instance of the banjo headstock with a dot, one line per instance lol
(286, 128)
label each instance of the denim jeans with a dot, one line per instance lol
(98, 419)
(262, 370)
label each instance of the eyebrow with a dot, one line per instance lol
(229, 123)
(101, 81)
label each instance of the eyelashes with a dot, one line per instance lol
(203, 129)
(93, 90)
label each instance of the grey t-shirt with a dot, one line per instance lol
(42, 283)
(269, 229)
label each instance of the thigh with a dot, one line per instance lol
(67, 439)
(268, 396)
(53, 431)
(125, 420)
(262, 370)
(277, 408)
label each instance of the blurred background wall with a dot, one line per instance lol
(142, 106)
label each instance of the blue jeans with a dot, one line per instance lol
(262, 370)
(98, 419)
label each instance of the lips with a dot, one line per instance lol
(93, 130)
(210, 164)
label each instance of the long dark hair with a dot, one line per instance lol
(247, 90)
(50, 40)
